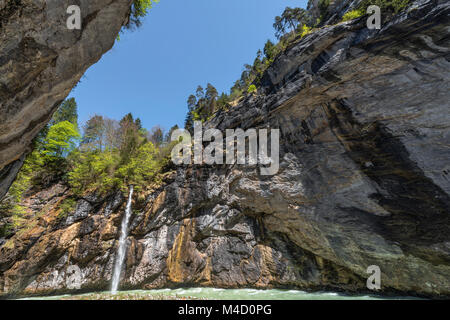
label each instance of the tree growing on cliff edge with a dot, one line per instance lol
(293, 19)
(204, 104)
(211, 95)
(191, 103)
(270, 50)
(156, 135)
(139, 10)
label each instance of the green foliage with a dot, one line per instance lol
(139, 9)
(306, 30)
(223, 101)
(129, 137)
(117, 154)
(67, 206)
(67, 111)
(270, 51)
(33, 163)
(156, 136)
(236, 93)
(104, 171)
(293, 24)
(323, 9)
(142, 167)
(14, 210)
(292, 19)
(388, 7)
(50, 148)
(204, 104)
(6, 230)
(92, 170)
(61, 140)
(93, 132)
(252, 89)
(48, 158)
(111, 155)
(353, 14)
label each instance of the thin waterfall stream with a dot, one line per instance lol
(120, 257)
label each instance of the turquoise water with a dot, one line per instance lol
(240, 294)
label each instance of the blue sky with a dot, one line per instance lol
(151, 71)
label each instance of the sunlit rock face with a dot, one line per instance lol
(363, 180)
(41, 60)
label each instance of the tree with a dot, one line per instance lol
(270, 50)
(252, 89)
(95, 170)
(210, 97)
(245, 76)
(138, 123)
(279, 26)
(236, 90)
(94, 131)
(292, 18)
(201, 105)
(61, 140)
(223, 101)
(199, 93)
(141, 167)
(192, 104)
(111, 133)
(323, 8)
(258, 65)
(139, 9)
(129, 137)
(67, 111)
(156, 136)
(168, 136)
(211, 92)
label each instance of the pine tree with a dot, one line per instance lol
(94, 130)
(67, 111)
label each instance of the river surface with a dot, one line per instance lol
(234, 294)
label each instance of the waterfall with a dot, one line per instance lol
(120, 257)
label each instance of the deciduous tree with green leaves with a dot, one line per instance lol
(61, 140)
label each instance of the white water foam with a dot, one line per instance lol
(120, 257)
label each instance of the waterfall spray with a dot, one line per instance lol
(120, 257)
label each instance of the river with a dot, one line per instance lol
(227, 294)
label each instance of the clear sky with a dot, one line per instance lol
(151, 71)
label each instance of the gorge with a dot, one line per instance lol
(363, 178)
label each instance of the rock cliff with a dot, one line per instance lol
(364, 180)
(41, 60)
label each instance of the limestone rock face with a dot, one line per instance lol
(41, 60)
(364, 180)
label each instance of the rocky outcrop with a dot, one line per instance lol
(363, 180)
(41, 60)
